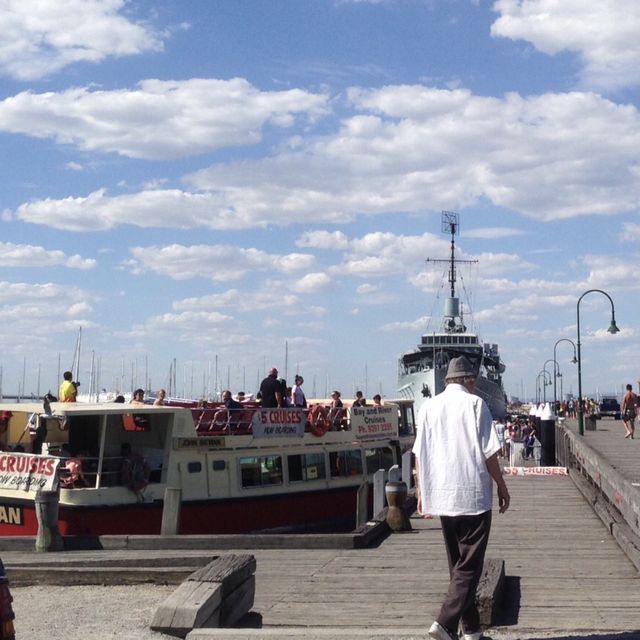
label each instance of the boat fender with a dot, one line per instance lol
(220, 419)
(318, 420)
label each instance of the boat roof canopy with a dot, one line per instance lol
(80, 408)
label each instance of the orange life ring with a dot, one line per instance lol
(318, 420)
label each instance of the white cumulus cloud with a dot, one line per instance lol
(40, 38)
(603, 32)
(548, 157)
(311, 283)
(162, 119)
(216, 262)
(26, 255)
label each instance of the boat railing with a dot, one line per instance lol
(81, 472)
(217, 419)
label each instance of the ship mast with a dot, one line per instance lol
(452, 315)
(450, 225)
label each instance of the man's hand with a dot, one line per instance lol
(493, 466)
(503, 497)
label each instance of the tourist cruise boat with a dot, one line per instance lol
(421, 372)
(253, 470)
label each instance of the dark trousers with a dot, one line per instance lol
(466, 539)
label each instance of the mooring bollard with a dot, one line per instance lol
(171, 511)
(397, 518)
(547, 438)
(362, 505)
(48, 537)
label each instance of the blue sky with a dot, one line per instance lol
(217, 181)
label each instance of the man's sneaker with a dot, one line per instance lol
(438, 632)
(472, 636)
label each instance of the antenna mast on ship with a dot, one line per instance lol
(452, 315)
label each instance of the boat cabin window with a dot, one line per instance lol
(306, 466)
(194, 467)
(345, 463)
(84, 434)
(219, 465)
(406, 424)
(379, 459)
(260, 471)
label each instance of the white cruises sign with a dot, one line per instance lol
(278, 423)
(27, 472)
(374, 422)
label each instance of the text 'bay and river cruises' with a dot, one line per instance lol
(421, 372)
(251, 470)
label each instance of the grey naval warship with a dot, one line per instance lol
(421, 372)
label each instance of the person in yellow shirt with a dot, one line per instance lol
(68, 390)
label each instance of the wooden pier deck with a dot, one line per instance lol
(608, 440)
(566, 575)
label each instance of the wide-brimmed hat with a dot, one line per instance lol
(459, 368)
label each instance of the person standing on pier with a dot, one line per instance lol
(629, 404)
(456, 452)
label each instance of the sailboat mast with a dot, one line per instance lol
(75, 367)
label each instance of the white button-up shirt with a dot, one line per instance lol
(455, 436)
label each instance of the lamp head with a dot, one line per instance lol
(613, 327)
(574, 360)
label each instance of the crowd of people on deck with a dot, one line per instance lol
(273, 392)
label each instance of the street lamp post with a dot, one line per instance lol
(542, 373)
(574, 360)
(613, 328)
(556, 370)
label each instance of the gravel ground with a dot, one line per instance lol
(87, 612)
(124, 612)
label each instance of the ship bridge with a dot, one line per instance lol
(448, 339)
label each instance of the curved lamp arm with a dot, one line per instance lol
(613, 328)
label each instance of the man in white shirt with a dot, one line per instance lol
(456, 451)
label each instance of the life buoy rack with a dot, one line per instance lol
(318, 420)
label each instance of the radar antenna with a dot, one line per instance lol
(451, 225)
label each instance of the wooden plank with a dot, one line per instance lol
(219, 593)
(238, 603)
(189, 606)
(230, 571)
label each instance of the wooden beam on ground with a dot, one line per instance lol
(218, 594)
